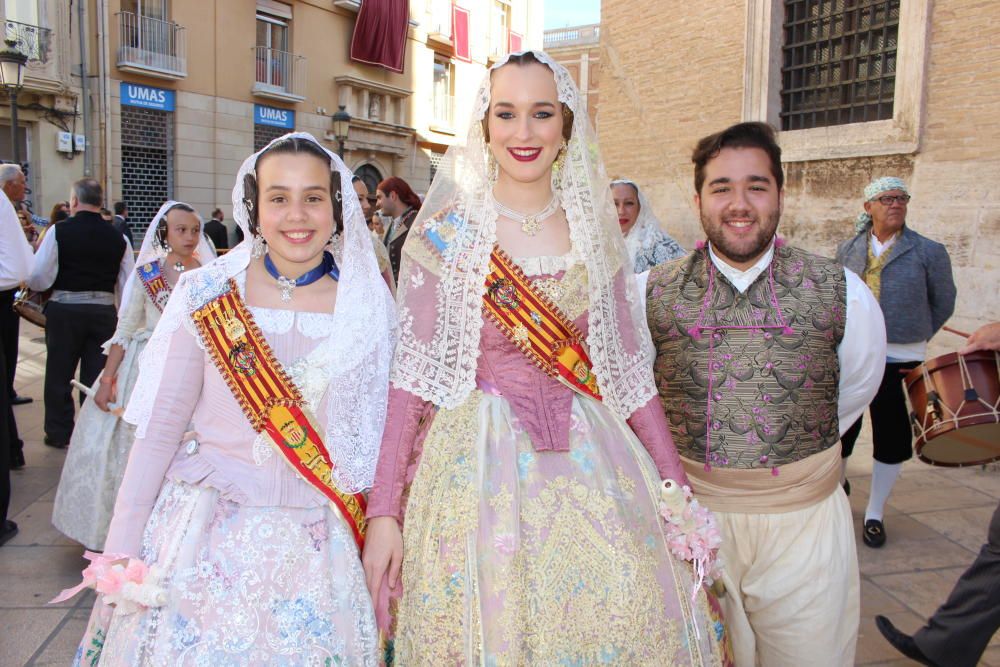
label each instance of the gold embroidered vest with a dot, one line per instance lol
(752, 378)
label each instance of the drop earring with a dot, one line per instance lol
(258, 247)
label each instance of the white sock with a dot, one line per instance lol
(883, 478)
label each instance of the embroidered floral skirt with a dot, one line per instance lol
(518, 557)
(245, 585)
(95, 461)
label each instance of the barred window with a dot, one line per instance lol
(147, 164)
(265, 134)
(839, 62)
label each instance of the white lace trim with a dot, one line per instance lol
(440, 291)
(277, 321)
(546, 264)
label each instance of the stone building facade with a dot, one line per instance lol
(49, 127)
(577, 48)
(674, 71)
(192, 87)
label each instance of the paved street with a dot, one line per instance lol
(936, 522)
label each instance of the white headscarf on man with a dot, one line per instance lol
(360, 344)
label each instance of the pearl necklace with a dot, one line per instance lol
(530, 224)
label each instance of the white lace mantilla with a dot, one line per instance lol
(445, 262)
(350, 367)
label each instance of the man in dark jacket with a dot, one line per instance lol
(910, 275)
(85, 261)
(120, 222)
(216, 230)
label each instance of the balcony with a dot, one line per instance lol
(583, 35)
(152, 47)
(30, 40)
(280, 75)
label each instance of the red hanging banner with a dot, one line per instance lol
(380, 33)
(460, 33)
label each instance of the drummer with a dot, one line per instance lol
(960, 630)
(910, 275)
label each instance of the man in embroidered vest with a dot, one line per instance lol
(763, 352)
(910, 275)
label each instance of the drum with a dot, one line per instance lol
(29, 305)
(955, 408)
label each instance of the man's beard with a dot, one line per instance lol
(722, 246)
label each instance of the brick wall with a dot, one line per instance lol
(673, 72)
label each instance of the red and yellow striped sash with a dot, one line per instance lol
(536, 326)
(271, 401)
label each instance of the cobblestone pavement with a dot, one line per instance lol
(936, 522)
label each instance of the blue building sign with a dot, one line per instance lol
(136, 95)
(283, 118)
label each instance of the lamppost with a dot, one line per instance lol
(12, 78)
(341, 126)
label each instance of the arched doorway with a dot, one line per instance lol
(371, 177)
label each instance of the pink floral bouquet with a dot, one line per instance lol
(130, 586)
(692, 534)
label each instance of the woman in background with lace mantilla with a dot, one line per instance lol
(646, 242)
(101, 440)
(523, 410)
(278, 356)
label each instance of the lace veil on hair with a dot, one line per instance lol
(440, 293)
(362, 335)
(151, 249)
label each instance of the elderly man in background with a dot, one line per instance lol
(910, 275)
(13, 185)
(15, 265)
(85, 261)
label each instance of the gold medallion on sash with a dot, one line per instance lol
(536, 326)
(271, 401)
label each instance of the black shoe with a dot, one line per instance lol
(901, 642)
(847, 486)
(54, 443)
(7, 531)
(21, 400)
(874, 534)
(16, 460)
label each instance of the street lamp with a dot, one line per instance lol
(12, 78)
(341, 126)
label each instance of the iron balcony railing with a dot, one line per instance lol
(159, 47)
(31, 40)
(279, 74)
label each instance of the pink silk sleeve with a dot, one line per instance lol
(149, 460)
(650, 425)
(406, 414)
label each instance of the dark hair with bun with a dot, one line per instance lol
(161, 226)
(293, 146)
(529, 58)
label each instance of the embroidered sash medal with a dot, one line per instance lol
(156, 285)
(536, 326)
(271, 401)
